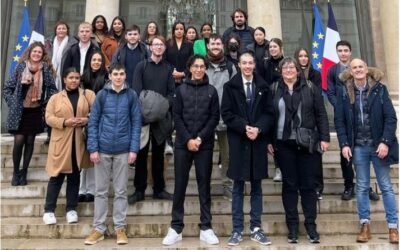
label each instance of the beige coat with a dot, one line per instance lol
(59, 109)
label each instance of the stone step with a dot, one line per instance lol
(331, 171)
(157, 226)
(38, 189)
(271, 205)
(39, 160)
(41, 148)
(328, 242)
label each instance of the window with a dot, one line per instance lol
(166, 12)
(299, 34)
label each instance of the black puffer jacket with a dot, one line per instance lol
(196, 113)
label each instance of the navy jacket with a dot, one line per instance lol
(245, 154)
(381, 110)
(115, 122)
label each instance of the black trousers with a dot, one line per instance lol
(183, 159)
(319, 180)
(157, 167)
(347, 171)
(54, 187)
(298, 168)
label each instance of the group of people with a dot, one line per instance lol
(92, 92)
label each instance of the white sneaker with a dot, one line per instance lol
(172, 237)
(278, 175)
(168, 150)
(72, 216)
(49, 218)
(209, 237)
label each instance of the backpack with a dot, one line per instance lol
(104, 98)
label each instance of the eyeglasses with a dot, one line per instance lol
(158, 45)
(196, 66)
(288, 67)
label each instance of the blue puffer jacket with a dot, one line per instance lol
(382, 114)
(115, 122)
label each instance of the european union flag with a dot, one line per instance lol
(22, 41)
(318, 41)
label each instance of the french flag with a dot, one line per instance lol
(330, 57)
(38, 32)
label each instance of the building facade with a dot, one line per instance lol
(371, 26)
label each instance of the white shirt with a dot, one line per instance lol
(83, 51)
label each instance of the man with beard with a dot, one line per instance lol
(240, 27)
(219, 72)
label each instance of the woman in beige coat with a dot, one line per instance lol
(67, 113)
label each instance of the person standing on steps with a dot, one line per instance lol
(299, 113)
(196, 114)
(343, 50)
(219, 72)
(365, 121)
(67, 113)
(26, 94)
(154, 74)
(248, 115)
(240, 28)
(113, 144)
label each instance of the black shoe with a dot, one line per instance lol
(135, 197)
(15, 179)
(89, 198)
(82, 198)
(292, 237)
(313, 236)
(22, 178)
(348, 194)
(163, 195)
(373, 196)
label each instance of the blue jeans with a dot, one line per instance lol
(256, 202)
(363, 155)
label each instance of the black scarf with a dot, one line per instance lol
(292, 102)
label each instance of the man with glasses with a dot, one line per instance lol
(153, 74)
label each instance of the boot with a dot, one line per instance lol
(15, 178)
(364, 234)
(22, 179)
(393, 236)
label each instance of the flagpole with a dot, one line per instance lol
(26, 1)
(40, 2)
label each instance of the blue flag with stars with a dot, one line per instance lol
(22, 40)
(318, 41)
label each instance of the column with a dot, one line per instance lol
(266, 14)
(389, 14)
(108, 8)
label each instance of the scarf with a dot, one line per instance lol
(216, 59)
(292, 102)
(306, 71)
(58, 49)
(32, 76)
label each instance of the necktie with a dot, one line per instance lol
(249, 94)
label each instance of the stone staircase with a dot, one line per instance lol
(148, 221)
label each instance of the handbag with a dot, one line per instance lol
(307, 138)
